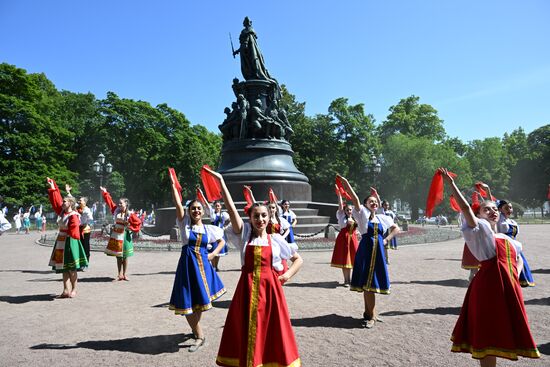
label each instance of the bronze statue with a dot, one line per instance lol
(252, 61)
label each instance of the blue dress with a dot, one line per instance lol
(525, 277)
(370, 272)
(219, 221)
(196, 284)
(290, 237)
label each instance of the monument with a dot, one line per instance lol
(256, 149)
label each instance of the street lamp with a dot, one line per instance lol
(101, 170)
(374, 167)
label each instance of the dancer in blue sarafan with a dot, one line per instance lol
(509, 227)
(196, 283)
(370, 272)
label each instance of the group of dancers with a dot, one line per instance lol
(71, 251)
(257, 331)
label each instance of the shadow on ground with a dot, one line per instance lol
(429, 311)
(541, 271)
(157, 273)
(153, 345)
(433, 258)
(332, 320)
(539, 301)
(29, 271)
(27, 298)
(327, 285)
(80, 280)
(544, 349)
(459, 283)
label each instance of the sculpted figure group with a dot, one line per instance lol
(256, 113)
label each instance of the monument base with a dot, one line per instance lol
(263, 164)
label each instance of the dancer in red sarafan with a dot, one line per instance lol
(345, 247)
(492, 321)
(257, 330)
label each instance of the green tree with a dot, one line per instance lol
(531, 175)
(410, 163)
(516, 146)
(410, 118)
(143, 141)
(489, 163)
(115, 182)
(315, 146)
(34, 144)
(457, 145)
(356, 141)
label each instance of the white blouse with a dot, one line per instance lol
(281, 250)
(362, 214)
(289, 213)
(214, 233)
(481, 240)
(212, 214)
(342, 220)
(86, 216)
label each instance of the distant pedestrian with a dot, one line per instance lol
(27, 221)
(38, 219)
(44, 220)
(4, 223)
(17, 218)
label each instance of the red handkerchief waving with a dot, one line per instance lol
(248, 199)
(172, 173)
(211, 185)
(482, 192)
(272, 196)
(134, 223)
(200, 196)
(341, 189)
(454, 204)
(435, 195)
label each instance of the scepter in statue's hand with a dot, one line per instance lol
(232, 48)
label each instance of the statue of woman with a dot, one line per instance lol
(252, 61)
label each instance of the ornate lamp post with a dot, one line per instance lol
(374, 167)
(101, 170)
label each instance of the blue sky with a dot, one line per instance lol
(484, 65)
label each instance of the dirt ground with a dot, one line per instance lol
(114, 323)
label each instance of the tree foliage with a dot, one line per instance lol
(410, 163)
(531, 175)
(411, 118)
(489, 163)
(34, 144)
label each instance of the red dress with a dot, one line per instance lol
(257, 330)
(468, 259)
(492, 320)
(345, 247)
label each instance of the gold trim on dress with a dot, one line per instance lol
(254, 301)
